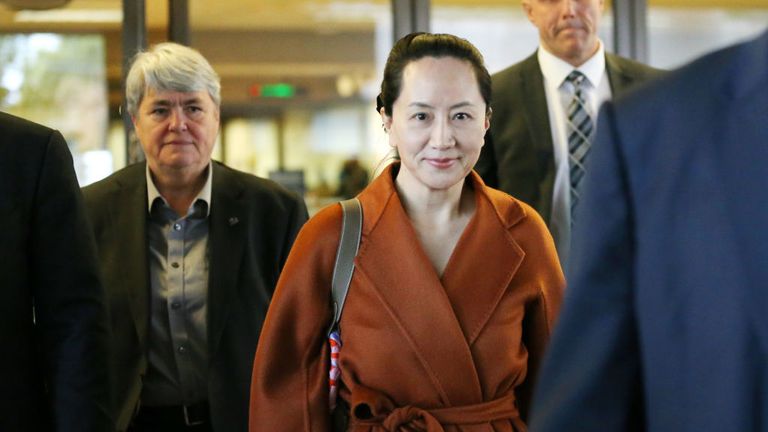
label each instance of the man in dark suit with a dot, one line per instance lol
(526, 152)
(191, 251)
(664, 326)
(53, 325)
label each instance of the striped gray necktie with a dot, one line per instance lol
(580, 130)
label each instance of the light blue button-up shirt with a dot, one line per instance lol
(177, 373)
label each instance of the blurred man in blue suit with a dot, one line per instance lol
(665, 324)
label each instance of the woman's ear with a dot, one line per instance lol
(488, 115)
(386, 121)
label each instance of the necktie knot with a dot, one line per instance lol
(576, 78)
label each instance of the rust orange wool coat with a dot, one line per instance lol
(420, 352)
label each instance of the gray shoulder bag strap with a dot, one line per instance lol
(351, 227)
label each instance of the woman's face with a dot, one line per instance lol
(438, 123)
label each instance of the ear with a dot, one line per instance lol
(529, 10)
(133, 120)
(386, 120)
(487, 122)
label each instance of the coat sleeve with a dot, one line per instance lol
(289, 387)
(542, 310)
(70, 312)
(590, 380)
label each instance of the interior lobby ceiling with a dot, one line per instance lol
(319, 46)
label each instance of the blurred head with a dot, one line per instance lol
(567, 28)
(435, 106)
(173, 96)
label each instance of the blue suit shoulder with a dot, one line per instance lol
(730, 72)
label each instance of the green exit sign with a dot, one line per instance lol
(278, 90)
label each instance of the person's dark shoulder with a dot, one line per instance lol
(505, 79)
(29, 152)
(24, 143)
(106, 186)
(17, 129)
(633, 68)
(100, 197)
(257, 190)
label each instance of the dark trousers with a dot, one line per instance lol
(177, 418)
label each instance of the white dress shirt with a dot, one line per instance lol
(596, 90)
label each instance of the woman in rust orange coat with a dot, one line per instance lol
(456, 285)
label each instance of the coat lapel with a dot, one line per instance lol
(618, 77)
(128, 213)
(227, 236)
(474, 291)
(534, 108)
(432, 323)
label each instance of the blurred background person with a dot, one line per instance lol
(545, 109)
(664, 325)
(455, 288)
(53, 323)
(353, 178)
(191, 251)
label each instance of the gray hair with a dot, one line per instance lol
(169, 67)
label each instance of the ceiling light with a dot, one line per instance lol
(35, 4)
(71, 15)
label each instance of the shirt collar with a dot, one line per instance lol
(555, 69)
(204, 195)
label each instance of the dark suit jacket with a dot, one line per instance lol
(53, 373)
(664, 326)
(518, 156)
(253, 223)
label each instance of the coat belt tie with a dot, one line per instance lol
(410, 418)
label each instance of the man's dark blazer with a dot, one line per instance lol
(665, 323)
(53, 373)
(518, 155)
(252, 225)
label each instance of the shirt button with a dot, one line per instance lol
(177, 227)
(175, 265)
(175, 305)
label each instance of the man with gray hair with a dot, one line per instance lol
(190, 250)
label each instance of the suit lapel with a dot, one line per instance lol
(474, 291)
(534, 102)
(534, 108)
(227, 236)
(619, 78)
(128, 213)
